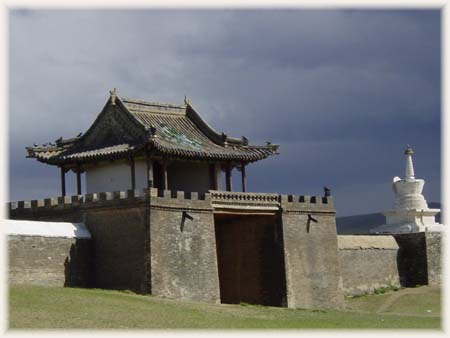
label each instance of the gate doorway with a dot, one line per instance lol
(250, 259)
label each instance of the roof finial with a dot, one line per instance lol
(186, 100)
(113, 95)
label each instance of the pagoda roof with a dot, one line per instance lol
(128, 127)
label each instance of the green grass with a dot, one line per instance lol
(49, 307)
(424, 303)
(366, 303)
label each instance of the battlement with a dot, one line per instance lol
(306, 199)
(306, 203)
(217, 199)
(76, 201)
(94, 199)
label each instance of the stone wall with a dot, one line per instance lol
(310, 251)
(367, 263)
(183, 248)
(55, 261)
(433, 241)
(169, 249)
(412, 259)
(420, 258)
(116, 221)
(408, 260)
(119, 253)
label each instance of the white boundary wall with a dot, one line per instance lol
(45, 229)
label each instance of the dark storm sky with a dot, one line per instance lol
(342, 91)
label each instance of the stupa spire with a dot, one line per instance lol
(409, 174)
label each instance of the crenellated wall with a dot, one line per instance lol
(165, 243)
(183, 247)
(310, 252)
(122, 242)
(71, 207)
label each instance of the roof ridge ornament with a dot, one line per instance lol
(224, 137)
(113, 95)
(186, 100)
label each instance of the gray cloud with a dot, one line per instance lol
(342, 91)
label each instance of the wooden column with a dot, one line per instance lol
(149, 171)
(243, 177)
(63, 182)
(212, 177)
(133, 174)
(165, 182)
(78, 179)
(228, 177)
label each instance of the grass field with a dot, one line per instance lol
(36, 307)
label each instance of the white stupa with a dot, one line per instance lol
(411, 212)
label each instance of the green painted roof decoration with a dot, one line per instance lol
(127, 127)
(173, 135)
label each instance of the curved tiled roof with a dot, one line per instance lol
(169, 129)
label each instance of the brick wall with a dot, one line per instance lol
(55, 261)
(367, 263)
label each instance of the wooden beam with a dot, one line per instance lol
(63, 182)
(165, 181)
(243, 177)
(246, 213)
(133, 174)
(228, 179)
(78, 169)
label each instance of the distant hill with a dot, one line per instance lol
(361, 224)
